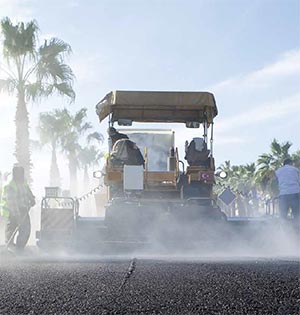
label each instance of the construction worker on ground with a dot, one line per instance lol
(17, 199)
(288, 178)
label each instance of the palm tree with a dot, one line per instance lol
(51, 128)
(75, 128)
(32, 73)
(267, 164)
(296, 158)
(241, 178)
(89, 156)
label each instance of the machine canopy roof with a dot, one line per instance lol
(158, 107)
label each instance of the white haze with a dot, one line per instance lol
(270, 240)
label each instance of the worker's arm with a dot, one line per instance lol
(31, 198)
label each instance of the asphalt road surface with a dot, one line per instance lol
(149, 286)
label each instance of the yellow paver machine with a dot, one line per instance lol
(160, 197)
(157, 194)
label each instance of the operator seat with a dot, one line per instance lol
(196, 153)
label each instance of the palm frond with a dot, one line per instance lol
(34, 91)
(95, 136)
(264, 159)
(83, 128)
(89, 156)
(19, 39)
(60, 72)
(63, 89)
(296, 158)
(7, 85)
(285, 149)
(80, 115)
(55, 71)
(78, 121)
(275, 148)
(53, 49)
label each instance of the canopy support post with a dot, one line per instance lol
(211, 139)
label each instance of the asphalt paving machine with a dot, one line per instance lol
(158, 198)
(155, 193)
(161, 198)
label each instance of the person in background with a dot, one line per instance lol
(17, 199)
(114, 135)
(288, 178)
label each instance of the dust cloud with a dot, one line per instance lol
(161, 235)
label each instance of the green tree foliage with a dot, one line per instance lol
(50, 129)
(61, 129)
(250, 180)
(267, 164)
(75, 127)
(31, 73)
(296, 158)
(89, 156)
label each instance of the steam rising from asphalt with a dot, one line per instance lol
(256, 239)
(176, 238)
(269, 238)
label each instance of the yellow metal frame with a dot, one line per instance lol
(153, 180)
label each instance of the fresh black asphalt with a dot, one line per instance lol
(150, 286)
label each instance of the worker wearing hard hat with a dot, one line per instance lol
(288, 178)
(17, 199)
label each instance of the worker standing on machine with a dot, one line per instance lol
(17, 199)
(114, 135)
(288, 178)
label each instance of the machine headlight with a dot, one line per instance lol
(222, 174)
(97, 174)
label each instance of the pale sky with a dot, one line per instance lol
(245, 52)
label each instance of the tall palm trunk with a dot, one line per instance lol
(22, 152)
(54, 170)
(73, 173)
